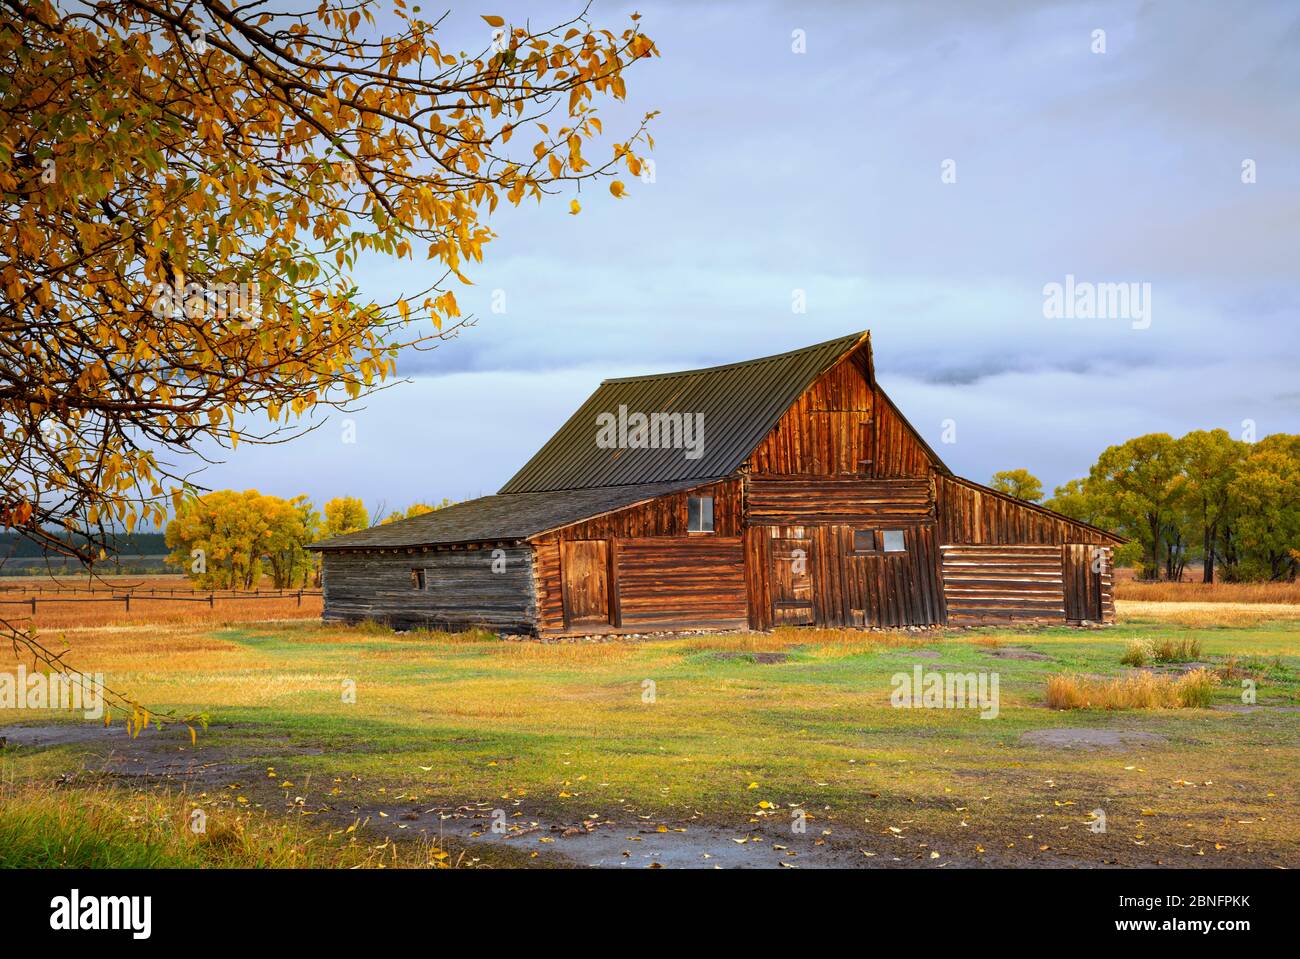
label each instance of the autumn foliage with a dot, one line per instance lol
(186, 189)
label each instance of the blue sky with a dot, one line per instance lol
(821, 171)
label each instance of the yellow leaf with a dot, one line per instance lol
(493, 21)
(575, 207)
(617, 188)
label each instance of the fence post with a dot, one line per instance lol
(212, 600)
(127, 598)
(33, 605)
(299, 597)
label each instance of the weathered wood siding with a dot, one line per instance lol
(584, 564)
(849, 588)
(665, 516)
(549, 587)
(662, 518)
(896, 449)
(1088, 575)
(1001, 584)
(819, 500)
(667, 583)
(461, 588)
(972, 515)
(828, 429)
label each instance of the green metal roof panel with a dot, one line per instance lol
(736, 405)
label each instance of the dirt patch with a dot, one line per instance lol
(1259, 707)
(166, 755)
(1087, 738)
(766, 658)
(1015, 652)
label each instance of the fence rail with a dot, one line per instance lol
(125, 598)
(155, 590)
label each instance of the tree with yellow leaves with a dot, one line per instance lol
(185, 189)
(187, 186)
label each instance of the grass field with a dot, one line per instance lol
(358, 746)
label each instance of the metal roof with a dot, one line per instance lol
(510, 517)
(737, 405)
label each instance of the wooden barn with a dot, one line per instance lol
(787, 490)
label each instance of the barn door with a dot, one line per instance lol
(792, 586)
(1082, 577)
(584, 566)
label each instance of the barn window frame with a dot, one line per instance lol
(902, 541)
(418, 578)
(871, 536)
(696, 519)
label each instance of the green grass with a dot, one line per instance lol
(106, 828)
(565, 729)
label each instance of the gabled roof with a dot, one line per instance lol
(501, 518)
(740, 404)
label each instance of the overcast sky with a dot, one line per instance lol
(822, 171)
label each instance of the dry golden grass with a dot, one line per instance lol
(1136, 691)
(1162, 592)
(565, 654)
(1206, 614)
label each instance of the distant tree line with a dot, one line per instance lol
(1230, 504)
(228, 539)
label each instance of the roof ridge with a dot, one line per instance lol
(727, 366)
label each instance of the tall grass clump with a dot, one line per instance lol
(1177, 651)
(1192, 690)
(1136, 653)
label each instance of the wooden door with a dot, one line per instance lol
(792, 585)
(584, 567)
(1081, 569)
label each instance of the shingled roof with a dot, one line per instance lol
(501, 518)
(740, 404)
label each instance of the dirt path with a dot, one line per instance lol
(522, 835)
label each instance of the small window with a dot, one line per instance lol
(864, 541)
(699, 514)
(893, 541)
(417, 579)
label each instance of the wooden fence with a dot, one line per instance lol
(124, 597)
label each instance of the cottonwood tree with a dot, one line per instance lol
(1019, 483)
(230, 540)
(1137, 485)
(1265, 493)
(344, 514)
(186, 187)
(1210, 461)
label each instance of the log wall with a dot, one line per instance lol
(1003, 584)
(461, 589)
(809, 500)
(674, 583)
